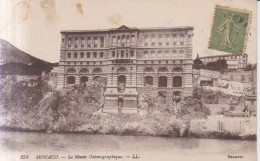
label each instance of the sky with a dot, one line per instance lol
(34, 25)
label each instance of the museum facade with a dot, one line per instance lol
(156, 61)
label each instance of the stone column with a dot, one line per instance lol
(77, 79)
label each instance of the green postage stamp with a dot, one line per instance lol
(229, 30)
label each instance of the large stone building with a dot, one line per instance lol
(156, 61)
(233, 61)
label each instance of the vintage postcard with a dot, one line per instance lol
(144, 80)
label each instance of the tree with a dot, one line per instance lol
(219, 65)
(248, 67)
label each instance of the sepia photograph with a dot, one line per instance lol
(145, 80)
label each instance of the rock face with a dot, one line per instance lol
(78, 109)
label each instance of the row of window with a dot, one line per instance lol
(123, 70)
(148, 80)
(227, 58)
(163, 62)
(163, 81)
(84, 70)
(122, 54)
(152, 54)
(125, 62)
(86, 42)
(85, 63)
(164, 39)
(83, 55)
(123, 40)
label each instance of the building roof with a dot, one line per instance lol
(225, 55)
(123, 27)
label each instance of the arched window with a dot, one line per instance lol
(167, 39)
(162, 70)
(121, 70)
(162, 81)
(82, 42)
(160, 38)
(71, 71)
(101, 55)
(71, 80)
(181, 51)
(94, 54)
(148, 81)
(95, 42)
(75, 55)
(148, 70)
(88, 55)
(121, 83)
(97, 71)
(96, 78)
(177, 69)
(84, 71)
(81, 55)
(83, 79)
(102, 41)
(89, 42)
(69, 55)
(153, 40)
(177, 81)
(118, 40)
(114, 40)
